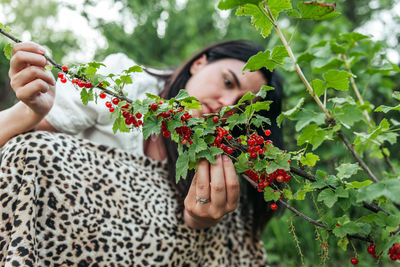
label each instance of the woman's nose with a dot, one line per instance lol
(228, 98)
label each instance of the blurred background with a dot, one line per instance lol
(163, 33)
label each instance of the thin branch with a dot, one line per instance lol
(298, 213)
(372, 207)
(58, 66)
(366, 115)
(357, 157)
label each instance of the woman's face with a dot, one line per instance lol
(220, 83)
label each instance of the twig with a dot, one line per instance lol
(357, 157)
(58, 66)
(366, 115)
(298, 213)
(372, 207)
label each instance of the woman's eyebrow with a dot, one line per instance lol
(235, 77)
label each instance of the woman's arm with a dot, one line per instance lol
(33, 86)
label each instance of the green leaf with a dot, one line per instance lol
(306, 116)
(352, 37)
(338, 80)
(277, 6)
(342, 243)
(263, 91)
(270, 194)
(242, 164)
(318, 87)
(386, 109)
(346, 229)
(305, 57)
(279, 53)
(258, 19)
(210, 154)
(135, 68)
(337, 48)
(347, 170)
(8, 51)
(328, 197)
(126, 79)
(230, 4)
(333, 64)
(84, 96)
(357, 184)
(267, 59)
(310, 159)
(151, 125)
(387, 188)
(258, 120)
(264, 105)
(348, 114)
(182, 164)
(287, 193)
(313, 135)
(317, 11)
(294, 13)
(289, 113)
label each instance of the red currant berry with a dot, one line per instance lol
(190, 142)
(229, 150)
(230, 113)
(154, 107)
(253, 155)
(251, 142)
(64, 68)
(102, 95)
(279, 178)
(115, 101)
(274, 206)
(161, 102)
(229, 137)
(108, 104)
(267, 132)
(63, 80)
(81, 84)
(88, 85)
(60, 75)
(338, 224)
(101, 84)
(215, 119)
(112, 109)
(166, 134)
(354, 261)
(184, 141)
(138, 115)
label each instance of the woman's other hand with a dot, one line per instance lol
(32, 83)
(213, 193)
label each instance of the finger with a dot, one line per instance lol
(190, 200)
(31, 90)
(218, 190)
(29, 47)
(30, 74)
(231, 183)
(203, 179)
(22, 59)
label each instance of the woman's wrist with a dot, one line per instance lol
(198, 222)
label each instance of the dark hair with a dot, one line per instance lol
(241, 50)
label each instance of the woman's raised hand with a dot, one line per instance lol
(32, 83)
(213, 193)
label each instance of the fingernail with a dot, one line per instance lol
(41, 50)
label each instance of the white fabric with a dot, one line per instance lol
(93, 121)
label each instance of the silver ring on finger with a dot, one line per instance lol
(202, 200)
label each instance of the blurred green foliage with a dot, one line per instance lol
(197, 23)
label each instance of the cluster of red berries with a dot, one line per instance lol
(263, 180)
(371, 250)
(394, 252)
(221, 134)
(257, 144)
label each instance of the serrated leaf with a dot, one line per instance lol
(230, 4)
(277, 6)
(348, 114)
(242, 164)
(328, 197)
(290, 113)
(333, 64)
(342, 243)
(270, 194)
(346, 229)
(264, 105)
(357, 184)
(310, 159)
(313, 135)
(287, 194)
(262, 23)
(338, 80)
(294, 13)
(318, 87)
(305, 57)
(182, 164)
(306, 116)
(151, 125)
(386, 109)
(347, 170)
(263, 91)
(8, 51)
(258, 120)
(279, 53)
(337, 48)
(135, 68)
(352, 37)
(387, 188)
(317, 11)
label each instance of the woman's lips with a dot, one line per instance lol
(207, 109)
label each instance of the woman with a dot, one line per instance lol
(73, 201)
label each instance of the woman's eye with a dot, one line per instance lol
(228, 82)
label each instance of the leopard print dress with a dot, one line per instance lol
(66, 201)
